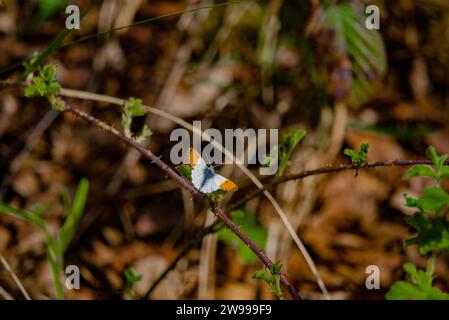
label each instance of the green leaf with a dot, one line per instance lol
(433, 233)
(72, 221)
(54, 88)
(420, 287)
(31, 91)
(248, 223)
(44, 85)
(420, 170)
(133, 108)
(132, 276)
(364, 48)
(411, 202)
(272, 277)
(437, 160)
(433, 199)
(444, 173)
(48, 73)
(144, 135)
(283, 152)
(53, 253)
(24, 214)
(358, 156)
(185, 170)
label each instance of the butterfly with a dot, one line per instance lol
(204, 177)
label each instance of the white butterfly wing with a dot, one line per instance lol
(204, 178)
(201, 182)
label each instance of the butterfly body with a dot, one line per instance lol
(204, 177)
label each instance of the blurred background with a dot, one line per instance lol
(309, 65)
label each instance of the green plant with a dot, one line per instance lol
(432, 226)
(419, 287)
(284, 150)
(56, 244)
(271, 276)
(358, 157)
(132, 108)
(361, 48)
(44, 85)
(131, 278)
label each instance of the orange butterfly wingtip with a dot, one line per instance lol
(193, 156)
(228, 185)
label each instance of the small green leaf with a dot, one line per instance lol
(31, 91)
(282, 153)
(411, 202)
(262, 274)
(131, 278)
(420, 170)
(185, 170)
(272, 277)
(144, 135)
(420, 287)
(54, 256)
(437, 160)
(444, 173)
(44, 85)
(73, 218)
(433, 233)
(433, 199)
(24, 214)
(133, 108)
(358, 157)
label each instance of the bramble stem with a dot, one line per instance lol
(185, 184)
(324, 170)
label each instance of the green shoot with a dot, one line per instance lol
(272, 277)
(44, 85)
(131, 278)
(132, 108)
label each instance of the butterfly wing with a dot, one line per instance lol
(195, 158)
(204, 178)
(199, 178)
(224, 183)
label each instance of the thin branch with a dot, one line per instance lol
(99, 97)
(186, 185)
(113, 100)
(15, 278)
(324, 170)
(274, 182)
(5, 294)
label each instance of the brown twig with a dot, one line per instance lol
(323, 170)
(186, 185)
(270, 184)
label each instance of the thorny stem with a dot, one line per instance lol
(274, 182)
(327, 169)
(185, 184)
